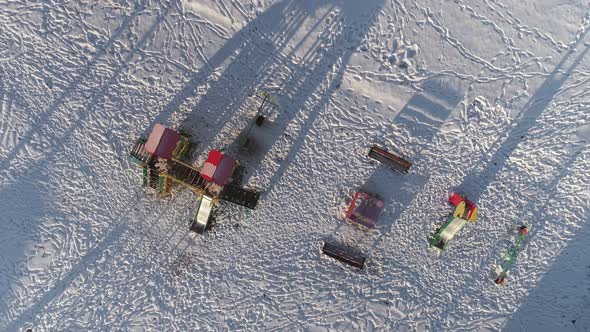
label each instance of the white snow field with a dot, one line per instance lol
(489, 98)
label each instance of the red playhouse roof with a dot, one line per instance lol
(162, 141)
(218, 167)
(456, 199)
(364, 209)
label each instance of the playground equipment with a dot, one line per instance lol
(201, 220)
(465, 211)
(159, 158)
(510, 256)
(363, 210)
(396, 162)
(267, 107)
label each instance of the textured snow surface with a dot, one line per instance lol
(490, 98)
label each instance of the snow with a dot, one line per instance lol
(487, 98)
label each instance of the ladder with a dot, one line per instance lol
(139, 154)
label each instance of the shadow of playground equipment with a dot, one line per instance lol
(74, 87)
(422, 116)
(89, 259)
(57, 130)
(476, 182)
(265, 57)
(62, 135)
(300, 91)
(250, 53)
(324, 62)
(561, 299)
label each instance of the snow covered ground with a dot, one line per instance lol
(490, 98)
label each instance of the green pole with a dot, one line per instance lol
(145, 176)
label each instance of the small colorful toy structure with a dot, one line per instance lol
(364, 209)
(510, 256)
(465, 211)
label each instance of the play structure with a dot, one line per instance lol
(465, 211)
(159, 158)
(364, 210)
(510, 256)
(392, 160)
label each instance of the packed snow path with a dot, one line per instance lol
(489, 98)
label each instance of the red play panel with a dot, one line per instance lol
(218, 168)
(162, 141)
(364, 209)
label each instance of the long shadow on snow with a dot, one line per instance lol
(324, 64)
(81, 75)
(64, 137)
(52, 294)
(261, 44)
(299, 89)
(476, 182)
(99, 281)
(49, 155)
(19, 219)
(562, 283)
(235, 68)
(69, 277)
(541, 224)
(423, 116)
(257, 46)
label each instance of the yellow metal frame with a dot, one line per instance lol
(185, 164)
(183, 145)
(193, 188)
(462, 212)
